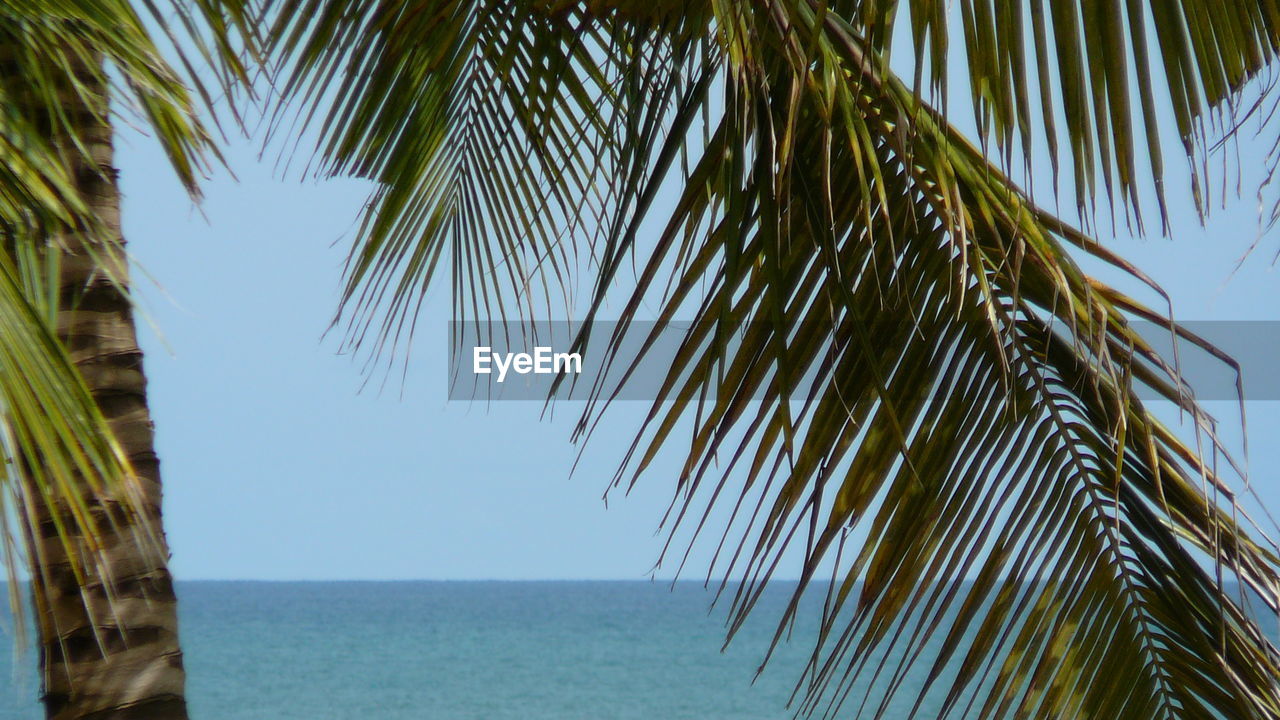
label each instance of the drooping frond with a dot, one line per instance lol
(52, 435)
(512, 136)
(59, 62)
(895, 346)
(890, 341)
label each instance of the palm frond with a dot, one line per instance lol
(59, 62)
(56, 55)
(890, 340)
(1090, 79)
(511, 135)
(1029, 530)
(56, 446)
(514, 135)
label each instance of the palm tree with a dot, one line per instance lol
(80, 468)
(974, 410)
(1027, 531)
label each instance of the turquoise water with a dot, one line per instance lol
(491, 650)
(480, 651)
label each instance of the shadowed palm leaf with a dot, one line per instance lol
(971, 407)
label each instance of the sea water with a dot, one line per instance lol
(482, 651)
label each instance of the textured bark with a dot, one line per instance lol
(107, 651)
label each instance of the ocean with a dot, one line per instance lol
(462, 650)
(479, 651)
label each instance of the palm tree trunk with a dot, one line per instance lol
(108, 650)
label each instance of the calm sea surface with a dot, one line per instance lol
(483, 650)
(468, 650)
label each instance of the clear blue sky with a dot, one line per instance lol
(276, 466)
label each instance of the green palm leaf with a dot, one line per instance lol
(57, 51)
(973, 413)
(889, 340)
(1088, 76)
(508, 138)
(55, 56)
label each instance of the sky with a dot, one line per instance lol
(279, 465)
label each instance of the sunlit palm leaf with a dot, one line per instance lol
(54, 50)
(53, 437)
(54, 57)
(516, 134)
